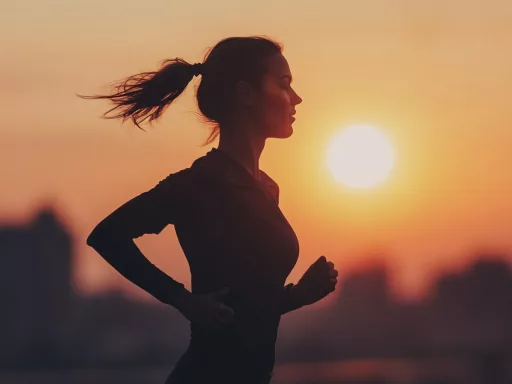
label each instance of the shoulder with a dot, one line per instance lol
(176, 179)
(180, 186)
(187, 182)
(195, 173)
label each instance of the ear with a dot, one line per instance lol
(244, 93)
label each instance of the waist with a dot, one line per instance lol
(253, 334)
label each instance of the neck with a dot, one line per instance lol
(245, 149)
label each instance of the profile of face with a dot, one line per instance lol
(273, 106)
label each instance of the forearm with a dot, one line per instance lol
(124, 256)
(289, 299)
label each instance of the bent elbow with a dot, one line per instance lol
(103, 234)
(99, 235)
(94, 238)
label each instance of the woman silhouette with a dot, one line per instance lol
(239, 245)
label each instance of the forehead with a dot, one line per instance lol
(277, 66)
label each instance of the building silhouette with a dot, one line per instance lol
(35, 286)
(45, 323)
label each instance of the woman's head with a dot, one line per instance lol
(242, 78)
(271, 106)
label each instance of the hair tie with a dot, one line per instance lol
(197, 69)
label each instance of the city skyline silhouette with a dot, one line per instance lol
(51, 325)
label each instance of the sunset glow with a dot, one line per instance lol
(433, 78)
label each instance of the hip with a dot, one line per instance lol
(200, 366)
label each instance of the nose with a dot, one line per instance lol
(297, 99)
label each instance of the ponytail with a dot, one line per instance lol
(148, 94)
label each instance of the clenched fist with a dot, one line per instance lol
(317, 282)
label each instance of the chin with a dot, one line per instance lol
(282, 134)
(289, 133)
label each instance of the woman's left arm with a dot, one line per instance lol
(317, 282)
(289, 300)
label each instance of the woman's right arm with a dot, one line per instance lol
(149, 212)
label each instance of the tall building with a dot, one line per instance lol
(35, 286)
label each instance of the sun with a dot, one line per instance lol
(360, 156)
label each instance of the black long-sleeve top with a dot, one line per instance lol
(233, 234)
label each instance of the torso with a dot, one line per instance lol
(237, 236)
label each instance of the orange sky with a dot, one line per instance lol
(434, 76)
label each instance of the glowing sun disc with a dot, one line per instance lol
(360, 156)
